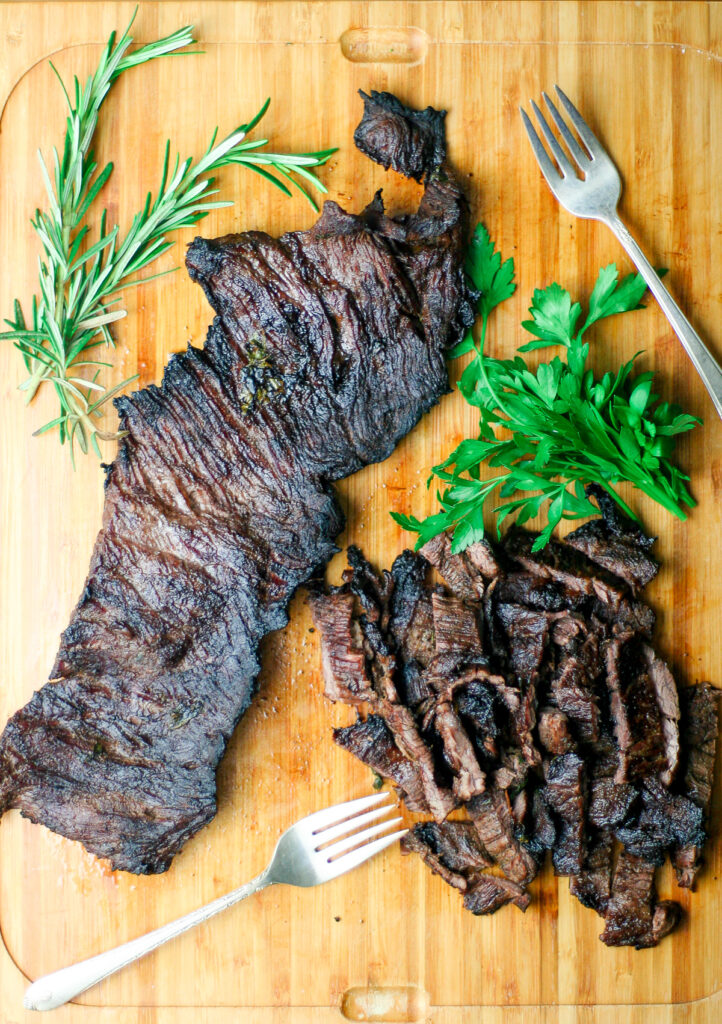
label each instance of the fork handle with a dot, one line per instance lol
(704, 362)
(61, 986)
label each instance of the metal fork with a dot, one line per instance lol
(596, 197)
(314, 850)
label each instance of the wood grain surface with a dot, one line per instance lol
(649, 78)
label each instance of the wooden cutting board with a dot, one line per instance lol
(649, 77)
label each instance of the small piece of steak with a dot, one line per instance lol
(610, 802)
(491, 814)
(411, 620)
(461, 573)
(666, 821)
(344, 661)
(635, 711)
(372, 742)
(615, 542)
(633, 916)
(489, 893)
(554, 735)
(592, 886)
(565, 793)
(701, 726)
(452, 849)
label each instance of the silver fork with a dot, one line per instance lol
(596, 197)
(314, 850)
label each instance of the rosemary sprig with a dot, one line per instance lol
(81, 282)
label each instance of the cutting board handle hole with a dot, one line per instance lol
(384, 45)
(404, 1004)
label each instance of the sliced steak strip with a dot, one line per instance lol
(342, 655)
(372, 742)
(633, 917)
(593, 885)
(538, 592)
(565, 793)
(610, 802)
(542, 830)
(665, 821)
(638, 722)
(701, 727)
(460, 572)
(615, 542)
(456, 626)
(489, 893)
(477, 703)
(469, 779)
(665, 689)
(527, 635)
(411, 622)
(611, 597)
(401, 722)
(452, 850)
(484, 558)
(372, 590)
(573, 692)
(491, 814)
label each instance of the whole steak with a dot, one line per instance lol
(328, 346)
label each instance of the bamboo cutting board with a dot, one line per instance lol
(390, 939)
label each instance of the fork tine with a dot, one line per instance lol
(326, 835)
(548, 169)
(575, 149)
(596, 149)
(333, 851)
(363, 853)
(332, 815)
(559, 155)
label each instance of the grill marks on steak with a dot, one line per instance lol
(327, 347)
(538, 707)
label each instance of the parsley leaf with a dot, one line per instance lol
(553, 318)
(492, 278)
(608, 297)
(563, 427)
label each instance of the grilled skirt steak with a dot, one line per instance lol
(527, 698)
(327, 347)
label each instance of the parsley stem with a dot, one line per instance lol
(482, 364)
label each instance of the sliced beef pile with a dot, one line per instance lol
(523, 697)
(328, 346)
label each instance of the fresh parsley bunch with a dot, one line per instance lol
(562, 427)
